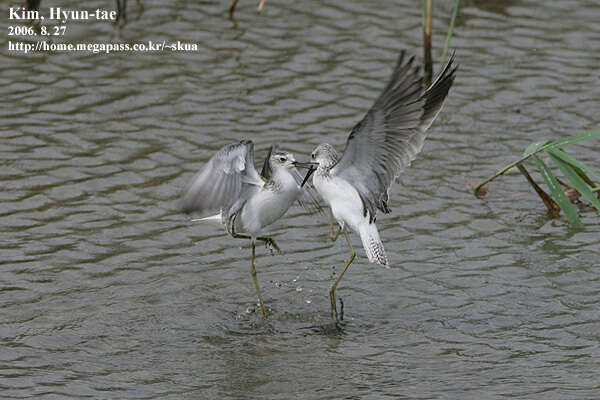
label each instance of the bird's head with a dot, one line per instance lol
(325, 155)
(282, 159)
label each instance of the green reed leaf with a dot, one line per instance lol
(558, 194)
(577, 182)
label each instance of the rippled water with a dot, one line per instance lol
(108, 291)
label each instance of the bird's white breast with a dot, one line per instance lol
(343, 199)
(269, 203)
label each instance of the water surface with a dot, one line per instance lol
(108, 291)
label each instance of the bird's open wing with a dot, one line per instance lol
(308, 197)
(392, 133)
(223, 181)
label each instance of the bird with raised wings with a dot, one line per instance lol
(246, 202)
(355, 184)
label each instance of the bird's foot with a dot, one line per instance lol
(272, 246)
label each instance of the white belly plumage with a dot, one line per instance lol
(343, 199)
(347, 209)
(265, 208)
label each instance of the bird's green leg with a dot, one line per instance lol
(334, 313)
(253, 273)
(333, 236)
(253, 269)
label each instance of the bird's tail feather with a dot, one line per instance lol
(372, 243)
(213, 218)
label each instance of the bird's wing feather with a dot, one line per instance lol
(226, 179)
(392, 132)
(267, 171)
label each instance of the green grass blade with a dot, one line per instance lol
(539, 146)
(534, 147)
(531, 149)
(560, 197)
(575, 180)
(576, 138)
(560, 153)
(450, 32)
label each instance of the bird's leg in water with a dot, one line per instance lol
(253, 273)
(333, 236)
(334, 313)
(253, 269)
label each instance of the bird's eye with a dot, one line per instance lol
(282, 159)
(312, 156)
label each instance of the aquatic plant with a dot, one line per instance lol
(450, 32)
(259, 9)
(427, 28)
(574, 171)
(427, 24)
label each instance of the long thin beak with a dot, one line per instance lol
(307, 165)
(308, 174)
(312, 166)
